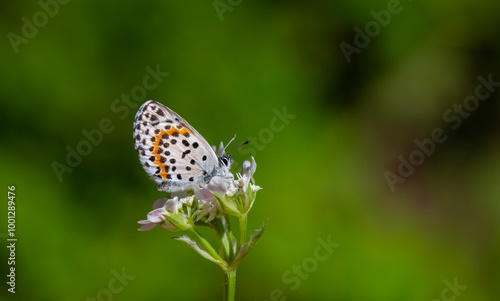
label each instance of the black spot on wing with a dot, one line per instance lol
(185, 153)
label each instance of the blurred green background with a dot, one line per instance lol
(231, 67)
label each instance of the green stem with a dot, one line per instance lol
(229, 236)
(221, 238)
(208, 246)
(243, 228)
(229, 284)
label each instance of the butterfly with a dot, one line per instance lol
(173, 153)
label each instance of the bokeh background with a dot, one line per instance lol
(323, 171)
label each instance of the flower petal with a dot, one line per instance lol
(159, 203)
(172, 205)
(207, 208)
(188, 200)
(246, 167)
(156, 216)
(204, 194)
(147, 227)
(220, 151)
(255, 188)
(249, 168)
(217, 185)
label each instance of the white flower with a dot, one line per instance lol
(188, 200)
(249, 168)
(246, 175)
(156, 217)
(255, 188)
(222, 195)
(207, 208)
(173, 205)
(232, 189)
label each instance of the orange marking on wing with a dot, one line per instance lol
(173, 130)
(157, 146)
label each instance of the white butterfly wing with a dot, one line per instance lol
(171, 151)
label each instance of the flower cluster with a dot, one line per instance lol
(212, 205)
(222, 195)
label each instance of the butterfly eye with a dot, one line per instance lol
(224, 160)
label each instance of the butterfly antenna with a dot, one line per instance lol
(224, 151)
(244, 143)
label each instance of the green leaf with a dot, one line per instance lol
(193, 245)
(246, 247)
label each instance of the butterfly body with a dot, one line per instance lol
(172, 152)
